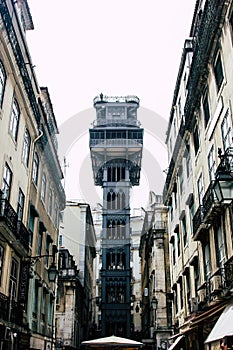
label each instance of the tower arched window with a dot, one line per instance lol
(111, 200)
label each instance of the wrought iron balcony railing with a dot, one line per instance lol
(10, 310)
(116, 142)
(10, 218)
(116, 122)
(198, 220)
(207, 212)
(228, 266)
(112, 99)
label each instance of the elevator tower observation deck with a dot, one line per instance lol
(116, 142)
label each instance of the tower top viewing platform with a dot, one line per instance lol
(116, 111)
(113, 99)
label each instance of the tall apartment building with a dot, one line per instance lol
(200, 220)
(31, 191)
(116, 150)
(156, 298)
(77, 235)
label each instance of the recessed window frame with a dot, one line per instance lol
(226, 129)
(43, 187)
(14, 120)
(20, 205)
(26, 147)
(6, 182)
(218, 70)
(206, 108)
(35, 168)
(2, 82)
(196, 139)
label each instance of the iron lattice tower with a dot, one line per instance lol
(116, 142)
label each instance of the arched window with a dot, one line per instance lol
(2, 82)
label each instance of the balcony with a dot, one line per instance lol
(14, 227)
(10, 310)
(113, 99)
(206, 214)
(116, 143)
(228, 266)
(199, 225)
(116, 122)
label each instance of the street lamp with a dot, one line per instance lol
(223, 185)
(154, 303)
(52, 272)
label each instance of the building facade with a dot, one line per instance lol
(77, 235)
(116, 149)
(199, 136)
(156, 302)
(31, 192)
(69, 311)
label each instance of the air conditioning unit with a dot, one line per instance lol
(215, 284)
(193, 304)
(201, 296)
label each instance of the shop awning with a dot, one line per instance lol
(112, 341)
(224, 326)
(176, 342)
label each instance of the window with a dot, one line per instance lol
(226, 128)
(200, 189)
(14, 121)
(181, 293)
(173, 252)
(20, 206)
(171, 208)
(196, 139)
(43, 187)
(1, 261)
(206, 109)
(174, 126)
(220, 246)
(184, 230)
(31, 221)
(207, 262)
(43, 306)
(2, 82)
(218, 70)
(6, 183)
(47, 249)
(50, 203)
(13, 279)
(196, 276)
(231, 23)
(211, 164)
(36, 297)
(56, 215)
(188, 161)
(42, 229)
(26, 147)
(188, 287)
(191, 215)
(35, 169)
(181, 177)
(60, 241)
(179, 109)
(178, 239)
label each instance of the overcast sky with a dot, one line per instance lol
(82, 48)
